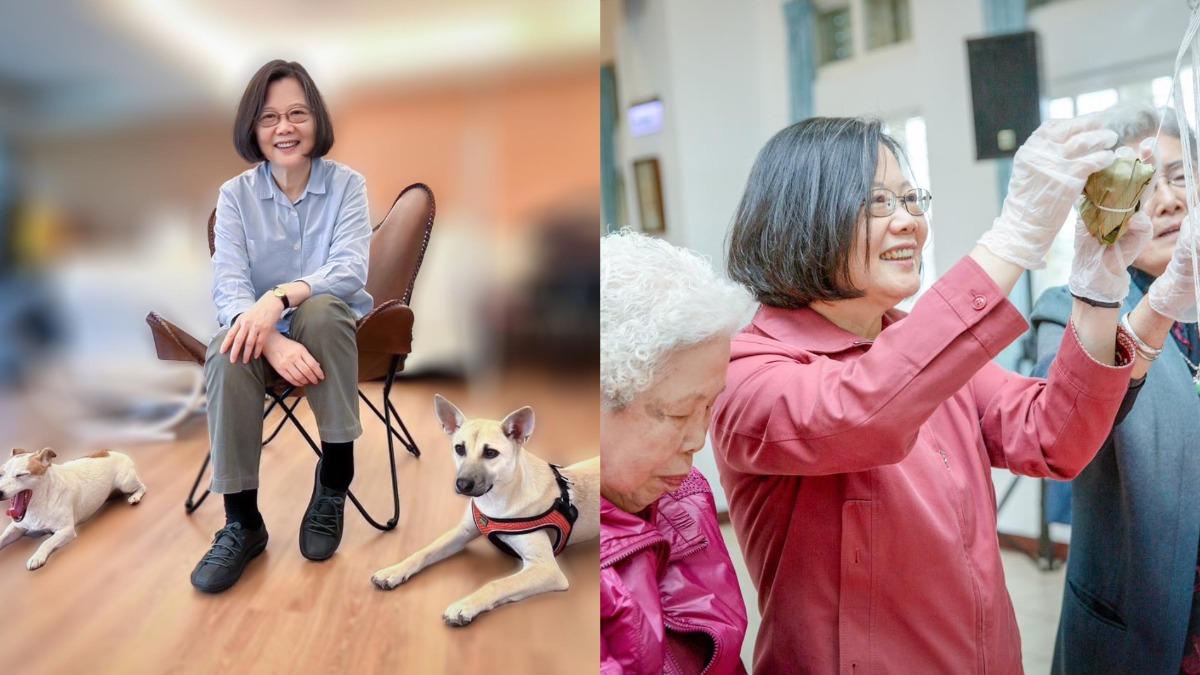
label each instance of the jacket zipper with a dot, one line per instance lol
(632, 550)
(685, 627)
(680, 624)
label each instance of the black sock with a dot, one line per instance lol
(337, 465)
(242, 507)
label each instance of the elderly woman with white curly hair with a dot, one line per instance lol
(669, 597)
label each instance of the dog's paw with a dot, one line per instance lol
(460, 613)
(35, 562)
(136, 497)
(391, 577)
(383, 581)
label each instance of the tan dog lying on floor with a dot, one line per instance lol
(55, 497)
(527, 508)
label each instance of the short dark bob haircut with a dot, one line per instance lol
(245, 125)
(796, 226)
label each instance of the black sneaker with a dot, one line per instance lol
(321, 529)
(233, 548)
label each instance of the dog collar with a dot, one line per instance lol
(559, 519)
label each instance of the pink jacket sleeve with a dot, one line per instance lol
(800, 413)
(1051, 427)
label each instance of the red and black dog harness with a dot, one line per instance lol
(558, 519)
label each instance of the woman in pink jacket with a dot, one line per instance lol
(669, 597)
(856, 444)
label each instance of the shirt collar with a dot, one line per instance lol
(807, 329)
(317, 177)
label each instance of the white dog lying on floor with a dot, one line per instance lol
(528, 508)
(54, 498)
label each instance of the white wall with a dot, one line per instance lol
(1134, 41)
(721, 69)
(926, 76)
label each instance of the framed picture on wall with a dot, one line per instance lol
(649, 195)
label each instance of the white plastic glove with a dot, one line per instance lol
(1173, 293)
(1101, 272)
(1048, 175)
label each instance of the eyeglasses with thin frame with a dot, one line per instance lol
(294, 116)
(1175, 180)
(883, 202)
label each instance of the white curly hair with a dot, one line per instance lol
(656, 298)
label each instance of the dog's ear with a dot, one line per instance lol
(19, 451)
(448, 414)
(45, 455)
(518, 426)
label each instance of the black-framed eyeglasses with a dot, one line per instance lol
(883, 202)
(295, 116)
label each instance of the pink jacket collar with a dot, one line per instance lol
(807, 329)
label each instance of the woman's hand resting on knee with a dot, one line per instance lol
(248, 335)
(292, 360)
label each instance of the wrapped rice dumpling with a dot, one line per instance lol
(1110, 197)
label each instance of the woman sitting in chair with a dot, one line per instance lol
(289, 275)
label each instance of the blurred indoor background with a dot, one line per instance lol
(692, 89)
(115, 133)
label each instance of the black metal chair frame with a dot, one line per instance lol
(389, 410)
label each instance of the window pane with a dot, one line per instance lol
(1062, 108)
(834, 37)
(1161, 90)
(887, 22)
(910, 133)
(1095, 101)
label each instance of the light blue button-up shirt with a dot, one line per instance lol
(263, 239)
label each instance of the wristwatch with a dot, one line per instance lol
(278, 292)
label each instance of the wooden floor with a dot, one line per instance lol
(118, 600)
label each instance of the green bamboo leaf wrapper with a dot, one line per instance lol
(1116, 187)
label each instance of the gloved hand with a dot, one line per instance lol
(1100, 272)
(1048, 174)
(1173, 293)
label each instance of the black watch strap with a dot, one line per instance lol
(278, 292)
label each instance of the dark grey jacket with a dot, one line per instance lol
(1135, 521)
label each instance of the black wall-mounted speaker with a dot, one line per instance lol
(1005, 92)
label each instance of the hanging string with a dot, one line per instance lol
(1188, 37)
(1187, 139)
(1188, 227)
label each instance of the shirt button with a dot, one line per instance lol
(979, 302)
(296, 247)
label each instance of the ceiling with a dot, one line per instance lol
(71, 63)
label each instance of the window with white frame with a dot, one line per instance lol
(909, 132)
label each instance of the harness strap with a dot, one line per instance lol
(559, 519)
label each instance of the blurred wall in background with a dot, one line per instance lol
(115, 134)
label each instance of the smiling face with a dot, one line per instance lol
(885, 263)
(289, 143)
(1167, 207)
(648, 445)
